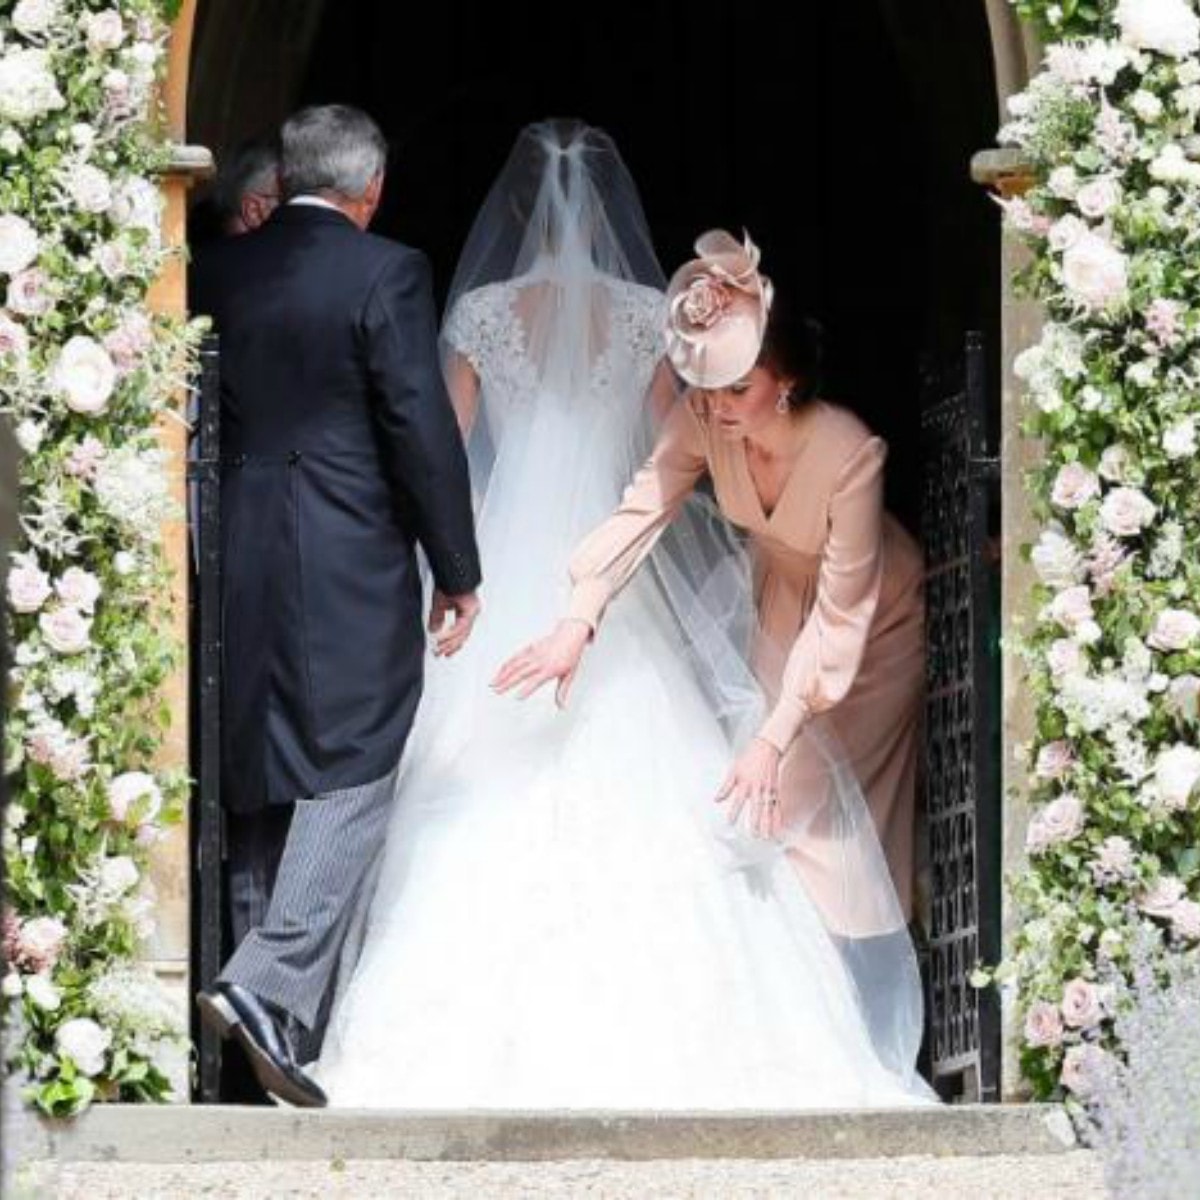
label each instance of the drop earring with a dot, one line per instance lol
(784, 403)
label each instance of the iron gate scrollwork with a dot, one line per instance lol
(204, 499)
(960, 509)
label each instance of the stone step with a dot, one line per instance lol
(218, 1133)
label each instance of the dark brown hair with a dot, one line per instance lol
(794, 348)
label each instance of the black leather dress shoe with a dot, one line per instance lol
(239, 1014)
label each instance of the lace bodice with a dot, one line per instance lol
(487, 328)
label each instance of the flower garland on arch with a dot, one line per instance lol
(87, 376)
(1110, 126)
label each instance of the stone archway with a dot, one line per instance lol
(289, 28)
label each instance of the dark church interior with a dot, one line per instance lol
(838, 135)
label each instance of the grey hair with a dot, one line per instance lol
(330, 148)
(252, 166)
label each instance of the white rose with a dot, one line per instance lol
(28, 587)
(105, 31)
(1114, 859)
(137, 204)
(1043, 1025)
(85, 1043)
(30, 435)
(1072, 608)
(1081, 1005)
(65, 630)
(34, 17)
(117, 876)
(1174, 629)
(1074, 486)
(19, 244)
(1179, 440)
(1168, 27)
(124, 563)
(28, 89)
(1188, 71)
(1147, 105)
(78, 589)
(1098, 197)
(1065, 232)
(1176, 773)
(1160, 899)
(1185, 920)
(29, 293)
(134, 794)
(1114, 464)
(1054, 760)
(1183, 697)
(113, 260)
(1095, 272)
(89, 188)
(1064, 183)
(84, 376)
(13, 986)
(1060, 821)
(1056, 560)
(1125, 512)
(43, 993)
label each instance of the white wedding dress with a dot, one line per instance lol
(559, 922)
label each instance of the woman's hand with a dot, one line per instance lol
(754, 780)
(555, 657)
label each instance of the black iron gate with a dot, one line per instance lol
(204, 500)
(960, 513)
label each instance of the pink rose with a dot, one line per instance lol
(112, 259)
(1043, 1025)
(1081, 1006)
(79, 589)
(704, 302)
(14, 341)
(28, 587)
(66, 630)
(1082, 1069)
(1160, 899)
(1065, 658)
(1060, 821)
(1074, 486)
(84, 460)
(39, 944)
(1174, 629)
(1162, 321)
(129, 341)
(1185, 920)
(29, 293)
(1054, 760)
(1125, 512)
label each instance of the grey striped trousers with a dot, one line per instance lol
(321, 891)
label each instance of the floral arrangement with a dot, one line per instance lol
(1113, 647)
(87, 376)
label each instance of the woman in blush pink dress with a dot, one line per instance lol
(838, 584)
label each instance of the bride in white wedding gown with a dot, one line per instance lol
(564, 918)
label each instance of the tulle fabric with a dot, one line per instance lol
(564, 918)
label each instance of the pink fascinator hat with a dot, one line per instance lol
(717, 311)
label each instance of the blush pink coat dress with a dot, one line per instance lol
(839, 595)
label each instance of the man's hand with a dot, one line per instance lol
(449, 636)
